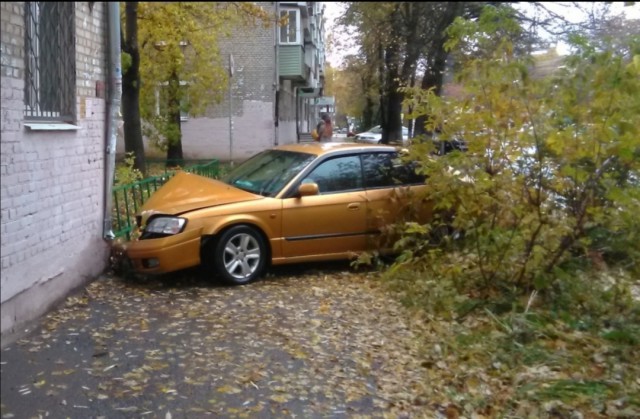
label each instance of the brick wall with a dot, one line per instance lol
(252, 103)
(52, 182)
(253, 100)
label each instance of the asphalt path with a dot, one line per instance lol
(312, 341)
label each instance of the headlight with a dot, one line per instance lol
(166, 225)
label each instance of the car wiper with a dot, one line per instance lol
(264, 188)
(241, 176)
(243, 185)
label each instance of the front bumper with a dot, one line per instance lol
(166, 254)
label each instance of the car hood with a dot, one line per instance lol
(187, 192)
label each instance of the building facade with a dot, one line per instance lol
(277, 78)
(54, 73)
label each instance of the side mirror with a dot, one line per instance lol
(307, 189)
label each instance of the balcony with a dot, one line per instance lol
(291, 64)
(300, 43)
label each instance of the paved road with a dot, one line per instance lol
(303, 342)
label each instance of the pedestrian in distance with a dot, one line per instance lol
(325, 128)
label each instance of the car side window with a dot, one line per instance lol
(387, 169)
(405, 173)
(339, 174)
(378, 170)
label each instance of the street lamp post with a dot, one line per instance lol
(231, 64)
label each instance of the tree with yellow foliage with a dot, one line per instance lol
(548, 191)
(180, 67)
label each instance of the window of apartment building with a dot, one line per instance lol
(290, 33)
(50, 73)
(162, 100)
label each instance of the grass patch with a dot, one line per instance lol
(534, 360)
(623, 336)
(571, 390)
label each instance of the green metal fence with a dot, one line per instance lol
(127, 199)
(157, 165)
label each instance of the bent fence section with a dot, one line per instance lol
(127, 199)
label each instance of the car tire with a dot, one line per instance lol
(239, 255)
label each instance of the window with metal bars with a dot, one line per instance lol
(50, 65)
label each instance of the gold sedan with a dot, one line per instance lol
(291, 203)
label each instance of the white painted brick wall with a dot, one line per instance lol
(52, 185)
(253, 104)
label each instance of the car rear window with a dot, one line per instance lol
(387, 169)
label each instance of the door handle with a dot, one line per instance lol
(353, 206)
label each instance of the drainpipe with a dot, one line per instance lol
(113, 105)
(276, 80)
(296, 95)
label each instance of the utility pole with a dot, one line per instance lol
(230, 110)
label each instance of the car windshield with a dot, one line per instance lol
(268, 172)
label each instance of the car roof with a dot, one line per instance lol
(320, 148)
(378, 127)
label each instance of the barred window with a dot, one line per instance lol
(50, 67)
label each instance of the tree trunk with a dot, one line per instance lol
(433, 78)
(392, 112)
(131, 90)
(368, 113)
(382, 88)
(412, 84)
(434, 75)
(174, 136)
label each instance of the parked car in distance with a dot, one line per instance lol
(443, 147)
(291, 203)
(374, 136)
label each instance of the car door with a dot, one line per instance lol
(332, 222)
(393, 192)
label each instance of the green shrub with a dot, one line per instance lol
(125, 171)
(549, 188)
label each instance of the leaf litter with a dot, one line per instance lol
(316, 344)
(331, 343)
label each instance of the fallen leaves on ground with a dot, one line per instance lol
(326, 343)
(479, 368)
(321, 344)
